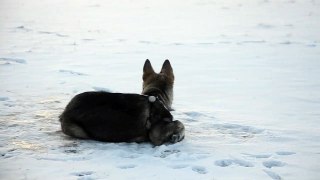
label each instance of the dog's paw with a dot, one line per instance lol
(176, 138)
(178, 133)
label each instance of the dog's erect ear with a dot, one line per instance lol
(167, 69)
(147, 69)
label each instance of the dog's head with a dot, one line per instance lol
(159, 84)
(163, 79)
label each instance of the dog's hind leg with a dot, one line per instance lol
(74, 130)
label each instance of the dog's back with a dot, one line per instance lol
(159, 84)
(112, 117)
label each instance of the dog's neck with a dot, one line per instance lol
(160, 94)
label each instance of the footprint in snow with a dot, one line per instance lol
(237, 130)
(9, 105)
(228, 162)
(311, 45)
(265, 26)
(252, 42)
(270, 164)
(259, 156)
(70, 144)
(273, 175)
(4, 98)
(88, 39)
(167, 153)
(127, 166)
(9, 154)
(23, 28)
(223, 162)
(72, 72)
(285, 153)
(8, 61)
(70, 148)
(52, 33)
(83, 174)
(72, 151)
(179, 166)
(145, 42)
(199, 169)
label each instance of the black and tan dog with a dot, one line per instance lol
(159, 84)
(117, 117)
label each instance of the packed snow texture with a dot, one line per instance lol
(247, 86)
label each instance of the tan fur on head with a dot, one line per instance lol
(159, 84)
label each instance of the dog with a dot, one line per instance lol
(160, 84)
(119, 117)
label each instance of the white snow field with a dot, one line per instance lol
(247, 86)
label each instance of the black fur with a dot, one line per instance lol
(117, 117)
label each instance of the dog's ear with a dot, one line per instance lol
(167, 69)
(147, 69)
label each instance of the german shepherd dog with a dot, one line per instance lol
(160, 84)
(118, 117)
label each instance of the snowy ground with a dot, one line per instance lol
(247, 86)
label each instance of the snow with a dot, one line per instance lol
(247, 86)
